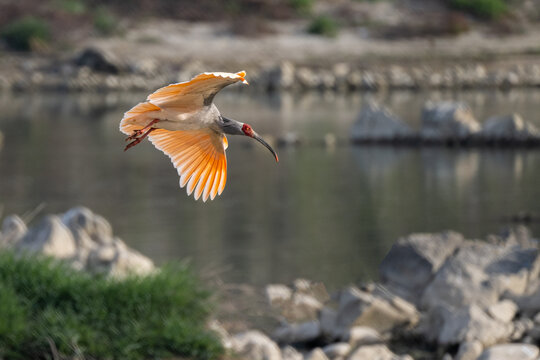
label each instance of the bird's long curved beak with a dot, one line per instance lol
(261, 140)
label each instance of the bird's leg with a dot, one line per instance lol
(138, 139)
(137, 133)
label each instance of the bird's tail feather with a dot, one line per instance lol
(130, 121)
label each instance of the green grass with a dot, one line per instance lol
(323, 25)
(489, 9)
(23, 33)
(46, 307)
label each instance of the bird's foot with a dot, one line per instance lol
(137, 138)
(138, 135)
(134, 135)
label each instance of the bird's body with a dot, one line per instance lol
(182, 121)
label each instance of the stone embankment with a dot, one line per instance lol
(441, 296)
(95, 69)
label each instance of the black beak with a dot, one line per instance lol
(261, 140)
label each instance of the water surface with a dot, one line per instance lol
(328, 214)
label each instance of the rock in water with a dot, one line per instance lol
(447, 121)
(509, 128)
(376, 123)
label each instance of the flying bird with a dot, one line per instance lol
(182, 121)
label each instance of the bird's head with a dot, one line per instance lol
(248, 131)
(233, 127)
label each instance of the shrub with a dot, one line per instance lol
(323, 25)
(104, 21)
(484, 8)
(52, 308)
(302, 7)
(23, 33)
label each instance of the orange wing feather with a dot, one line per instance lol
(192, 94)
(198, 156)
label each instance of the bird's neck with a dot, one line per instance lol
(230, 126)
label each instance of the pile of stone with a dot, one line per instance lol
(83, 239)
(443, 122)
(440, 296)
(98, 69)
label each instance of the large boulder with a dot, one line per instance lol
(509, 128)
(50, 237)
(79, 236)
(447, 121)
(449, 326)
(378, 124)
(360, 308)
(254, 345)
(480, 273)
(413, 261)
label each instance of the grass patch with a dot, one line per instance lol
(104, 21)
(489, 9)
(45, 307)
(24, 33)
(323, 25)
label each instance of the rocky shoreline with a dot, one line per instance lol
(439, 296)
(95, 69)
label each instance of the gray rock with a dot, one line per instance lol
(479, 274)
(340, 349)
(469, 350)
(503, 311)
(509, 128)
(327, 320)
(298, 333)
(282, 76)
(412, 262)
(13, 229)
(316, 354)
(447, 121)
(254, 345)
(510, 352)
(361, 335)
(522, 327)
(467, 324)
(376, 123)
(290, 353)
(99, 60)
(373, 352)
(306, 78)
(95, 226)
(50, 237)
(358, 307)
(277, 294)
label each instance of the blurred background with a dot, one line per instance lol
(333, 206)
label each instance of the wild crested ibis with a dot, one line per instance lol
(182, 121)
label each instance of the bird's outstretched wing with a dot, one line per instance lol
(198, 156)
(194, 94)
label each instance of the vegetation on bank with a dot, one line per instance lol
(49, 310)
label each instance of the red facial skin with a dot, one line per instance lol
(247, 130)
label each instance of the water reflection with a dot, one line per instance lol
(329, 215)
